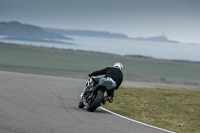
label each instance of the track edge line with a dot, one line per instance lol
(135, 120)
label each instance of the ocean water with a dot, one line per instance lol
(160, 50)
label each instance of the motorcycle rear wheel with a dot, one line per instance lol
(97, 101)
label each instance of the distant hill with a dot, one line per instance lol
(16, 30)
(157, 39)
(88, 33)
(104, 34)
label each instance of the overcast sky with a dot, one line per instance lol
(177, 19)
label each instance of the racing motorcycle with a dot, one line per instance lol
(94, 92)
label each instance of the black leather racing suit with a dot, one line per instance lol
(112, 72)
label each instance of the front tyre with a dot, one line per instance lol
(97, 101)
(81, 105)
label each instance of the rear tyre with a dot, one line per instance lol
(97, 101)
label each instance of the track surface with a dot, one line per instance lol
(44, 104)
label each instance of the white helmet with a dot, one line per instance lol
(119, 65)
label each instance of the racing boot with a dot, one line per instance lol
(109, 99)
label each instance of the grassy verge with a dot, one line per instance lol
(172, 109)
(78, 64)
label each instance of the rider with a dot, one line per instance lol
(115, 73)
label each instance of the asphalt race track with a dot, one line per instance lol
(45, 104)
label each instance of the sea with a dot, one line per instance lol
(160, 50)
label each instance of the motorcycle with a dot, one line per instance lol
(94, 92)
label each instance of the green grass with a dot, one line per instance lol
(172, 109)
(50, 61)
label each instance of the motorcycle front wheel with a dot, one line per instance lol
(81, 105)
(97, 101)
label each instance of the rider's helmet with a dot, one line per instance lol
(119, 65)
